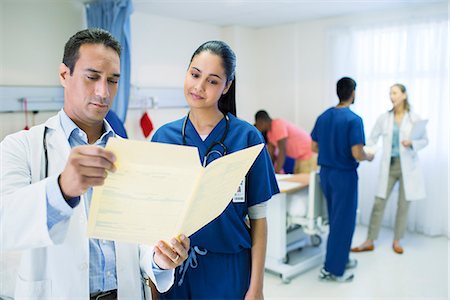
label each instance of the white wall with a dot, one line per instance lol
(294, 60)
(281, 69)
(162, 48)
(1, 40)
(161, 51)
(276, 72)
(244, 43)
(313, 90)
(32, 38)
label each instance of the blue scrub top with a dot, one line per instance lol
(228, 233)
(116, 124)
(336, 131)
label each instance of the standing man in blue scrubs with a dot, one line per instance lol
(338, 137)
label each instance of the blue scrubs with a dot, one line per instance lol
(219, 262)
(336, 131)
(116, 124)
(289, 165)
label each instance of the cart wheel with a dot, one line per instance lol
(286, 280)
(316, 240)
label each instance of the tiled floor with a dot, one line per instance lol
(422, 272)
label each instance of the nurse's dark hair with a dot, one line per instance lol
(227, 102)
(344, 88)
(87, 36)
(402, 88)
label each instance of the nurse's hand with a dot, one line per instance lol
(406, 143)
(85, 167)
(173, 255)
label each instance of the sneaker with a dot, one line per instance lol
(327, 276)
(351, 264)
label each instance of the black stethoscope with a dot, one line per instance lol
(44, 141)
(210, 149)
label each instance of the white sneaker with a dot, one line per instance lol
(351, 264)
(327, 276)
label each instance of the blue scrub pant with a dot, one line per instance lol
(217, 276)
(340, 188)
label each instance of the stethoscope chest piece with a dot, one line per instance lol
(210, 151)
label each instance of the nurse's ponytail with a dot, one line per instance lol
(227, 102)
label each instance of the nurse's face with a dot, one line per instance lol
(90, 90)
(205, 81)
(397, 96)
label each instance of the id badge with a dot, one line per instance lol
(239, 197)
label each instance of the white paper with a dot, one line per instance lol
(160, 191)
(418, 130)
(371, 149)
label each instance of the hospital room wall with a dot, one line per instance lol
(32, 36)
(282, 68)
(296, 85)
(1, 40)
(162, 48)
(312, 91)
(244, 43)
(30, 56)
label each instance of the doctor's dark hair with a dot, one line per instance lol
(344, 88)
(227, 102)
(402, 88)
(87, 36)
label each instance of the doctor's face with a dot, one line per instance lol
(90, 90)
(397, 96)
(205, 81)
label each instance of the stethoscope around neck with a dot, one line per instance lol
(210, 151)
(44, 142)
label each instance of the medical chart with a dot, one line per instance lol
(418, 130)
(160, 191)
(371, 149)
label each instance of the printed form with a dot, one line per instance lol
(160, 191)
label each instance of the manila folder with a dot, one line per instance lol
(160, 191)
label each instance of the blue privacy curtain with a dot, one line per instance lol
(114, 16)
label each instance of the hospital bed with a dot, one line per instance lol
(297, 220)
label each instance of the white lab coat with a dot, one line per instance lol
(55, 264)
(411, 170)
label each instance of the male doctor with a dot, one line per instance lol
(47, 177)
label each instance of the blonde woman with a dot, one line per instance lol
(399, 163)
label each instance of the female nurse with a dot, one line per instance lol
(399, 163)
(226, 259)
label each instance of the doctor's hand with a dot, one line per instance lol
(86, 167)
(406, 143)
(370, 156)
(173, 255)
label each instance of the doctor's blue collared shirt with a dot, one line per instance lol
(102, 256)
